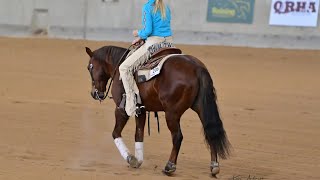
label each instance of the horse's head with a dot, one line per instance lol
(99, 76)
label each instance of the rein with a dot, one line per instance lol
(115, 70)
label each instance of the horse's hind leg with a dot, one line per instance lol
(173, 123)
(214, 167)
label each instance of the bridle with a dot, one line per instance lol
(96, 91)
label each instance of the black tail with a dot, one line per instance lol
(207, 108)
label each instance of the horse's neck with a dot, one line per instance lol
(117, 88)
(116, 56)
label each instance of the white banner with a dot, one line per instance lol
(294, 12)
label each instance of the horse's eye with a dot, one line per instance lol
(89, 67)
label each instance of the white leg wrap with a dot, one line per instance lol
(124, 151)
(139, 151)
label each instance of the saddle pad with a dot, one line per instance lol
(147, 74)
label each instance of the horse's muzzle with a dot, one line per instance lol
(98, 95)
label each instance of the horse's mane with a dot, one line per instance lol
(113, 52)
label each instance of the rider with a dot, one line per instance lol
(156, 17)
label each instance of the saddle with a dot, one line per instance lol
(158, 56)
(152, 67)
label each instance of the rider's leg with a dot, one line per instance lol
(127, 68)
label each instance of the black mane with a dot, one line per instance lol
(114, 53)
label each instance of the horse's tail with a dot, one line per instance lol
(206, 106)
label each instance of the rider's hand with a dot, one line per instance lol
(136, 41)
(135, 33)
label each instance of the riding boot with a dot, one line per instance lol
(122, 104)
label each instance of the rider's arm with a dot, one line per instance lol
(146, 22)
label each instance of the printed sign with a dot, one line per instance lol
(155, 71)
(230, 11)
(294, 12)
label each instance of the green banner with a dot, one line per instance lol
(231, 11)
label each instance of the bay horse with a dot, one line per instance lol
(184, 82)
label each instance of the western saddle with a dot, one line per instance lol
(158, 56)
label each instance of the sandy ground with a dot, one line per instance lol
(52, 129)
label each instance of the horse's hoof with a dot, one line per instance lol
(215, 169)
(169, 169)
(133, 161)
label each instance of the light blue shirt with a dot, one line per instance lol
(153, 24)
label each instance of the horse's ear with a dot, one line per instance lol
(89, 52)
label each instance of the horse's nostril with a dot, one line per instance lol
(97, 95)
(101, 95)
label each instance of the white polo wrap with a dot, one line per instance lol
(124, 151)
(139, 151)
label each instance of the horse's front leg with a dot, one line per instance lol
(121, 121)
(140, 124)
